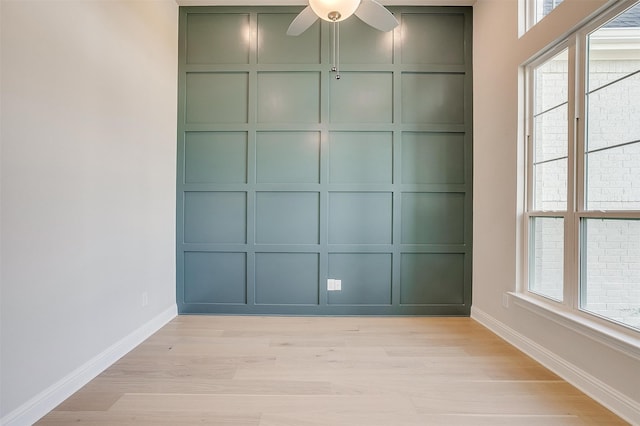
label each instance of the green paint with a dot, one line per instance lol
(288, 177)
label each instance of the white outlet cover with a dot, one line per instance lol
(334, 285)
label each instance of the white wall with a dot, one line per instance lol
(601, 369)
(88, 133)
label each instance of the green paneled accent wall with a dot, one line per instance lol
(288, 177)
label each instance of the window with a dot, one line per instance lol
(549, 175)
(544, 7)
(583, 170)
(538, 9)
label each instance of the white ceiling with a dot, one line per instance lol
(304, 2)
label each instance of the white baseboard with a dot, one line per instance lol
(617, 402)
(38, 406)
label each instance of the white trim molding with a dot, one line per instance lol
(603, 332)
(614, 400)
(38, 406)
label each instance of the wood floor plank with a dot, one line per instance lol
(412, 420)
(97, 418)
(327, 371)
(273, 404)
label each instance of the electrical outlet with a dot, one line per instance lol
(334, 285)
(505, 300)
(145, 299)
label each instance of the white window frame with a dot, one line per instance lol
(531, 13)
(568, 311)
(529, 181)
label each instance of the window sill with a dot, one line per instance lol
(624, 341)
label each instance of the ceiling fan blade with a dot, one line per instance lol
(376, 15)
(302, 22)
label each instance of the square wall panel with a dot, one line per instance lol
(215, 217)
(362, 44)
(365, 278)
(360, 217)
(361, 97)
(360, 157)
(433, 98)
(287, 217)
(288, 97)
(215, 157)
(287, 278)
(431, 278)
(432, 218)
(433, 39)
(432, 157)
(217, 38)
(217, 97)
(215, 277)
(288, 157)
(276, 47)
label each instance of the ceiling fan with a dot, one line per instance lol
(369, 11)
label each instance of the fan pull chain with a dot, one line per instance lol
(335, 48)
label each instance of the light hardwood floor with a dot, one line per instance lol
(325, 371)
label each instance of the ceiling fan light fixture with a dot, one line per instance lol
(334, 10)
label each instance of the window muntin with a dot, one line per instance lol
(550, 133)
(583, 181)
(614, 116)
(612, 146)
